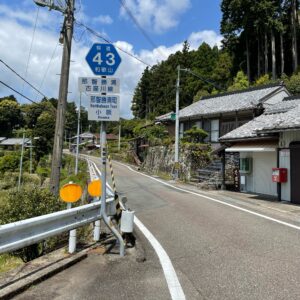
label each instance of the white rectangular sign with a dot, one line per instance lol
(96, 85)
(104, 108)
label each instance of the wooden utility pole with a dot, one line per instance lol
(67, 32)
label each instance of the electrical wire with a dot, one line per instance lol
(8, 86)
(30, 49)
(144, 33)
(47, 69)
(95, 33)
(15, 72)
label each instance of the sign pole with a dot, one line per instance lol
(78, 134)
(97, 228)
(103, 168)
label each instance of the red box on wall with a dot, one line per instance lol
(279, 174)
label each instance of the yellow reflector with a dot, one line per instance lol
(70, 192)
(95, 188)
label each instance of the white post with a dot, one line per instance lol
(97, 231)
(72, 236)
(176, 175)
(21, 162)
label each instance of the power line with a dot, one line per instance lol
(18, 92)
(110, 42)
(15, 72)
(144, 33)
(47, 69)
(30, 49)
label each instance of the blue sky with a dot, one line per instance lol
(167, 22)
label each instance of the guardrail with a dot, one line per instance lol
(23, 233)
(14, 236)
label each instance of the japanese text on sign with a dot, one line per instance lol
(99, 85)
(104, 108)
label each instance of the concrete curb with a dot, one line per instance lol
(21, 285)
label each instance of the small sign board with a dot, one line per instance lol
(104, 108)
(96, 85)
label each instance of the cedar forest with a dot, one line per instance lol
(260, 46)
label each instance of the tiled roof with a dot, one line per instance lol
(165, 117)
(282, 115)
(229, 102)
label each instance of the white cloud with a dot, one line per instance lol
(156, 15)
(17, 38)
(208, 36)
(103, 19)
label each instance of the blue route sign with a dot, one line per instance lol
(103, 59)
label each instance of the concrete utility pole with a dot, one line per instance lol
(67, 32)
(21, 162)
(176, 174)
(176, 165)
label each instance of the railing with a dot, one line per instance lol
(14, 236)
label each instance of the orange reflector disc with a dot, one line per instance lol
(95, 188)
(70, 192)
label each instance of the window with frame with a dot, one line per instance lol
(214, 130)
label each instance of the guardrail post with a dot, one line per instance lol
(97, 231)
(72, 236)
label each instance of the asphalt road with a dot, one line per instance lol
(218, 252)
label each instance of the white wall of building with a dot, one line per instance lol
(259, 180)
(263, 162)
(284, 162)
(285, 138)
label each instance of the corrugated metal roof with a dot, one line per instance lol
(229, 102)
(15, 141)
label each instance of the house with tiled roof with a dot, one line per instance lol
(223, 113)
(270, 141)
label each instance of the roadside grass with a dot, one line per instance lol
(9, 262)
(37, 182)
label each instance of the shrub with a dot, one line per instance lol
(9, 162)
(194, 135)
(27, 203)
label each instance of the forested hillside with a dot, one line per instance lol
(260, 45)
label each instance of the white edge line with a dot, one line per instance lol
(173, 283)
(216, 200)
(174, 286)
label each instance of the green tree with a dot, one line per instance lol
(194, 135)
(240, 82)
(44, 133)
(10, 117)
